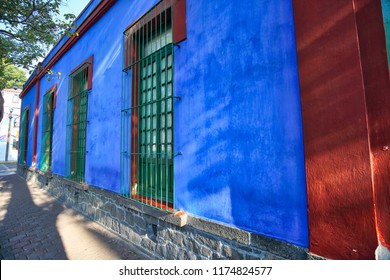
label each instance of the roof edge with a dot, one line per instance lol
(89, 21)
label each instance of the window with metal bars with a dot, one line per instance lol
(147, 110)
(80, 85)
(24, 136)
(47, 131)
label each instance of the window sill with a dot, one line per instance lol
(73, 184)
(48, 173)
(178, 218)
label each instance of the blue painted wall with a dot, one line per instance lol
(29, 99)
(239, 122)
(386, 22)
(104, 42)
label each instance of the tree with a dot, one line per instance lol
(11, 74)
(29, 28)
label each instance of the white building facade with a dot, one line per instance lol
(9, 126)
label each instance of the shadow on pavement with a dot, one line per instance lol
(34, 225)
(27, 231)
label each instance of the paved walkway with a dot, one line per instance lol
(7, 168)
(33, 225)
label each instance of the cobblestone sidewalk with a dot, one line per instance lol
(7, 168)
(33, 225)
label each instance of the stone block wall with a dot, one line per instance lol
(159, 234)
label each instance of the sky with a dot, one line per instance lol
(73, 6)
(69, 7)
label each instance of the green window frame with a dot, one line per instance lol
(76, 129)
(24, 136)
(47, 131)
(147, 151)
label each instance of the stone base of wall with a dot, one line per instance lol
(159, 234)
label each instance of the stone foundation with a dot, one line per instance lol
(159, 234)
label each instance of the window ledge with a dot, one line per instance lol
(70, 183)
(48, 173)
(178, 218)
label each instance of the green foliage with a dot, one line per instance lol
(29, 28)
(9, 74)
(50, 73)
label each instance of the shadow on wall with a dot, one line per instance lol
(206, 186)
(103, 128)
(239, 121)
(340, 202)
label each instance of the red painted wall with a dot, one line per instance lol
(337, 155)
(372, 43)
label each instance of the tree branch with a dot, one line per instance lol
(9, 34)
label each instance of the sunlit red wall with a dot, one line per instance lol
(372, 43)
(344, 94)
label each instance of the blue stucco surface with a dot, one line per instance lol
(238, 124)
(104, 42)
(29, 100)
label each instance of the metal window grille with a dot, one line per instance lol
(77, 124)
(47, 131)
(24, 137)
(147, 110)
